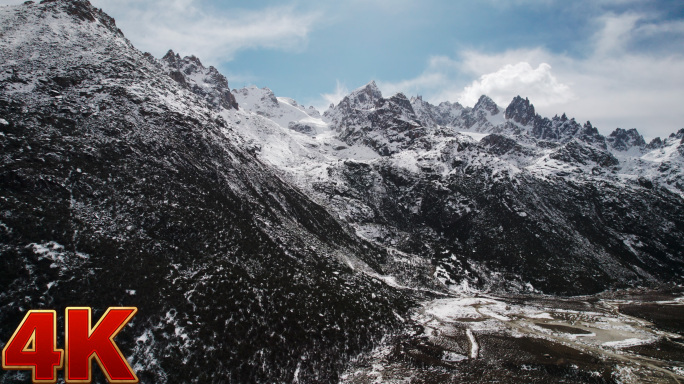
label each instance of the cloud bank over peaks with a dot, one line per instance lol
(539, 84)
(191, 28)
(630, 76)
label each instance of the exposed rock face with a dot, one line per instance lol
(521, 111)
(207, 83)
(366, 98)
(622, 140)
(386, 125)
(432, 116)
(484, 103)
(576, 153)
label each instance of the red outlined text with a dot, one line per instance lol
(33, 346)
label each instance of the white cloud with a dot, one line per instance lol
(674, 27)
(477, 63)
(539, 84)
(500, 76)
(413, 86)
(619, 2)
(189, 28)
(615, 33)
(517, 3)
(391, 7)
(332, 98)
(614, 85)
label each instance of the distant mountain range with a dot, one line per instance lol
(484, 197)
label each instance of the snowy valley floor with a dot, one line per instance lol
(626, 337)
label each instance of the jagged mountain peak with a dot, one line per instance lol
(420, 105)
(171, 57)
(175, 60)
(388, 126)
(655, 143)
(624, 139)
(402, 100)
(520, 110)
(563, 129)
(444, 114)
(369, 97)
(372, 85)
(679, 134)
(418, 99)
(207, 83)
(187, 64)
(485, 103)
(365, 97)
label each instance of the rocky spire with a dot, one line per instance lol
(624, 139)
(365, 97)
(520, 110)
(187, 71)
(486, 104)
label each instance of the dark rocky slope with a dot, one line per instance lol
(118, 186)
(560, 236)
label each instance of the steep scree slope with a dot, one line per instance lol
(119, 186)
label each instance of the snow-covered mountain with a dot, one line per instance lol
(264, 241)
(492, 197)
(207, 83)
(283, 111)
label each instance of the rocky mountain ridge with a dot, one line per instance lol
(205, 82)
(424, 189)
(388, 126)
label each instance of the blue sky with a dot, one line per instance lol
(614, 62)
